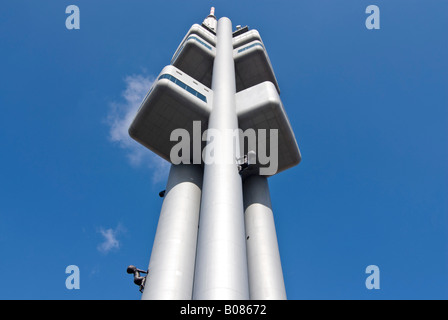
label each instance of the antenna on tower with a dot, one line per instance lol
(210, 22)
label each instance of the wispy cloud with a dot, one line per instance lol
(120, 118)
(110, 240)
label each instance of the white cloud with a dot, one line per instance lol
(120, 118)
(110, 239)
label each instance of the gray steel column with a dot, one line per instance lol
(171, 267)
(221, 262)
(263, 257)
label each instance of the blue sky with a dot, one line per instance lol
(368, 108)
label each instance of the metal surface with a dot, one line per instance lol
(195, 57)
(253, 66)
(168, 107)
(263, 257)
(260, 107)
(221, 264)
(171, 267)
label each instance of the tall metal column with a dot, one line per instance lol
(221, 262)
(171, 267)
(263, 257)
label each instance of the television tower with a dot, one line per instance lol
(216, 236)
